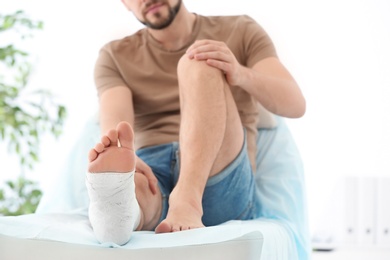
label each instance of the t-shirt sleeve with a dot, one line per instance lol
(106, 72)
(258, 44)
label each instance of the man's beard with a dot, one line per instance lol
(164, 23)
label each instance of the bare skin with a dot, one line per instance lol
(109, 156)
(212, 130)
(215, 150)
(115, 153)
(205, 89)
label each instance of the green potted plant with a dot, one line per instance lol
(25, 115)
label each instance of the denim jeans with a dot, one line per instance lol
(229, 195)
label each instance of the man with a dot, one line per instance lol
(190, 86)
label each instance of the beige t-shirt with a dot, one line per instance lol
(139, 62)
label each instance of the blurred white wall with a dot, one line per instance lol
(336, 49)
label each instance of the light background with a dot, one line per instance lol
(338, 51)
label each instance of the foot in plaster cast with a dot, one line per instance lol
(107, 156)
(114, 211)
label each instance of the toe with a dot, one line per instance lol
(99, 147)
(105, 141)
(113, 137)
(185, 228)
(92, 155)
(163, 227)
(125, 135)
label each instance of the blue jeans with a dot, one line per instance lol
(229, 195)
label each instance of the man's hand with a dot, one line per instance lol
(217, 54)
(143, 168)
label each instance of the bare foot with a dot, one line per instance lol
(183, 214)
(109, 156)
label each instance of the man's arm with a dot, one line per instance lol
(268, 80)
(116, 105)
(274, 87)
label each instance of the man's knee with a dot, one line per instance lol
(194, 70)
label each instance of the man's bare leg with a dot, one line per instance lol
(211, 136)
(108, 156)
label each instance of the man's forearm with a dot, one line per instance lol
(275, 89)
(115, 106)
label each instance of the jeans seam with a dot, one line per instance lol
(246, 211)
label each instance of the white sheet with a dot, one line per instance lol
(281, 233)
(73, 228)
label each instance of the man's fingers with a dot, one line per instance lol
(152, 181)
(204, 46)
(143, 168)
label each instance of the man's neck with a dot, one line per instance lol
(178, 33)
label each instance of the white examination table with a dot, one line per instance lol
(60, 229)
